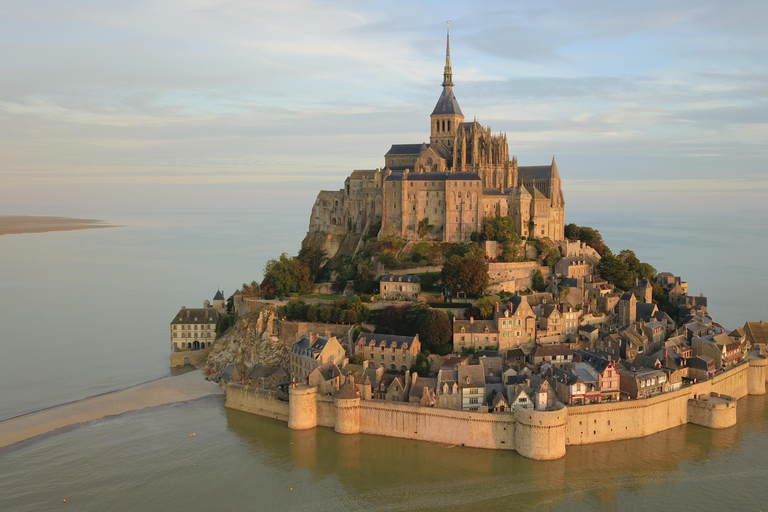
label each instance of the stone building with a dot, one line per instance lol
(443, 189)
(312, 351)
(477, 334)
(388, 351)
(194, 328)
(399, 287)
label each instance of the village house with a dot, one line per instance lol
(570, 388)
(550, 322)
(471, 380)
(327, 377)
(267, 376)
(608, 376)
(674, 286)
(543, 395)
(756, 333)
(310, 352)
(399, 287)
(701, 368)
(516, 323)
(423, 391)
(492, 362)
(570, 320)
(518, 397)
(515, 358)
(643, 290)
(723, 350)
(643, 383)
(559, 356)
(656, 333)
(477, 334)
(393, 388)
(388, 351)
(448, 395)
(626, 310)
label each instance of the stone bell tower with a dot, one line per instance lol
(447, 116)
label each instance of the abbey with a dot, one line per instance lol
(443, 190)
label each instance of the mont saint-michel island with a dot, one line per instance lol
(443, 297)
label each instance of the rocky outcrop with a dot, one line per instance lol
(251, 341)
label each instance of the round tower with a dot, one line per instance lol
(540, 435)
(756, 374)
(302, 408)
(347, 404)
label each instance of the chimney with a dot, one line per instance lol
(327, 333)
(313, 337)
(471, 320)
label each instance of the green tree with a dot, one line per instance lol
(284, 276)
(537, 283)
(296, 309)
(615, 270)
(421, 365)
(436, 332)
(500, 229)
(487, 306)
(313, 257)
(513, 251)
(572, 232)
(593, 238)
(468, 275)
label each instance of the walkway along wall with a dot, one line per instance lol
(541, 435)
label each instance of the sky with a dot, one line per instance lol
(124, 100)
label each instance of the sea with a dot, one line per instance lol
(87, 312)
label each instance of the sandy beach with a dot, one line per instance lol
(17, 224)
(168, 390)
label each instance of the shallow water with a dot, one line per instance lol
(85, 312)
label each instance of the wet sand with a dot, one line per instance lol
(17, 224)
(168, 390)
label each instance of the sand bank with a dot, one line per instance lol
(168, 390)
(17, 224)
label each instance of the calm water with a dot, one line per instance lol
(85, 312)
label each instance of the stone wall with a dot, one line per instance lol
(541, 435)
(290, 332)
(256, 401)
(513, 277)
(194, 357)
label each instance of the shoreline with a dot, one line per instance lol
(163, 391)
(21, 224)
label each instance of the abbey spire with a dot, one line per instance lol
(446, 117)
(447, 74)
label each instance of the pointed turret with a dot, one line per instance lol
(447, 73)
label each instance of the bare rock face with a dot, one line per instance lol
(251, 341)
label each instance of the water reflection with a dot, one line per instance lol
(406, 474)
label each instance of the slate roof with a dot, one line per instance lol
(405, 149)
(515, 353)
(347, 392)
(304, 348)
(551, 350)
(472, 376)
(533, 172)
(417, 388)
(446, 103)
(219, 295)
(476, 326)
(263, 372)
(452, 362)
(196, 316)
(399, 278)
(646, 310)
(388, 339)
(488, 353)
(469, 125)
(433, 176)
(757, 332)
(329, 370)
(595, 361)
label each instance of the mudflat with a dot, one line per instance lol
(168, 390)
(17, 224)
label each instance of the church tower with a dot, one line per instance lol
(447, 116)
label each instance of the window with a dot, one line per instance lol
(473, 400)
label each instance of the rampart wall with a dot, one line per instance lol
(183, 357)
(541, 435)
(256, 401)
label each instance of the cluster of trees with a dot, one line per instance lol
(343, 311)
(284, 276)
(502, 230)
(433, 326)
(550, 253)
(465, 270)
(621, 270)
(589, 236)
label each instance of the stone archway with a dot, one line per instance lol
(196, 345)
